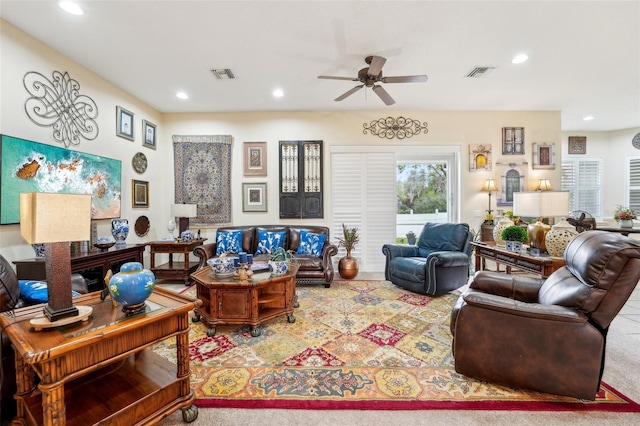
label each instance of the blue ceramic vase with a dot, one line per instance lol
(120, 231)
(132, 286)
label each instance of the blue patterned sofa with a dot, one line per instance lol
(314, 260)
(437, 264)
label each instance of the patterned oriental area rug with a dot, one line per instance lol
(358, 345)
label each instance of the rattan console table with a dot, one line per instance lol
(102, 371)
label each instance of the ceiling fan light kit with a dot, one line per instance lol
(371, 75)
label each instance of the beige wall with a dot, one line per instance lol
(20, 54)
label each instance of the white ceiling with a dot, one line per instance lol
(584, 56)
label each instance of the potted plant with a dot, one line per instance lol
(624, 216)
(280, 260)
(411, 237)
(348, 266)
(514, 236)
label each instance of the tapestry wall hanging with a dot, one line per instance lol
(203, 176)
(28, 166)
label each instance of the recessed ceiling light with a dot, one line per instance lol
(518, 59)
(278, 93)
(588, 118)
(182, 95)
(71, 7)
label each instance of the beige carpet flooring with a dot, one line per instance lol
(622, 371)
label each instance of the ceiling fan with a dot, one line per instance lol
(371, 75)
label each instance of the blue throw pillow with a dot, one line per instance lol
(311, 243)
(36, 291)
(269, 241)
(228, 242)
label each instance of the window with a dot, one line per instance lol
(582, 178)
(634, 184)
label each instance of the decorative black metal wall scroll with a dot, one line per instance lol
(57, 103)
(399, 127)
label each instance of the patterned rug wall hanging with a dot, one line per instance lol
(202, 167)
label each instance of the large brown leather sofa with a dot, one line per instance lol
(547, 335)
(10, 298)
(312, 269)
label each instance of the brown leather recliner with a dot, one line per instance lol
(10, 299)
(547, 335)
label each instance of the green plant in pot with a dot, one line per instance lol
(411, 237)
(514, 236)
(280, 261)
(348, 266)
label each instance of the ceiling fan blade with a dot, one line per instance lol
(376, 65)
(349, 93)
(405, 79)
(382, 94)
(329, 77)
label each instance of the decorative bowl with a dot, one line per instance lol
(221, 266)
(104, 246)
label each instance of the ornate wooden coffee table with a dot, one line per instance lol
(251, 302)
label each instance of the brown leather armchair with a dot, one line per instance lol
(547, 335)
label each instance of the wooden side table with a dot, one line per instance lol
(102, 371)
(543, 265)
(178, 270)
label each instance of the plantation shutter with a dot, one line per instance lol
(582, 178)
(634, 184)
(363, 195)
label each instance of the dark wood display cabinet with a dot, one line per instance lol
(92, 265)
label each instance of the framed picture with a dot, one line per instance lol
(124, 123)
(513, 140)
(577, 144)
(148, 134)
(139, 194)
(255, 158)
(480, 158)
(254, 197)
(544, 156)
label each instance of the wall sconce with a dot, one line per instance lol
(489, 186)
(55, 219)
(544, 185)
(183, 212)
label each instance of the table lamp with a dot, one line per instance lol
(540, 204)
(183, 212)
(489, 186)
(544, 185)
(54, 220)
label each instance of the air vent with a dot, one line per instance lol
(478, 72)
(223, 74)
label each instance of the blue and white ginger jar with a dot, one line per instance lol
(187, 236)
(132, 285)
(120, 231)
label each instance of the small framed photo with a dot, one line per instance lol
(254, 197)
(139, 194)
(544, 156)
(512, 140)
(124, 123)
(577, 144)
(255, 158)
(148, 134)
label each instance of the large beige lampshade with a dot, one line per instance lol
(183, 212)
(52, 218)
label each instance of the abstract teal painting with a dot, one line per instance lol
(27, 166)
